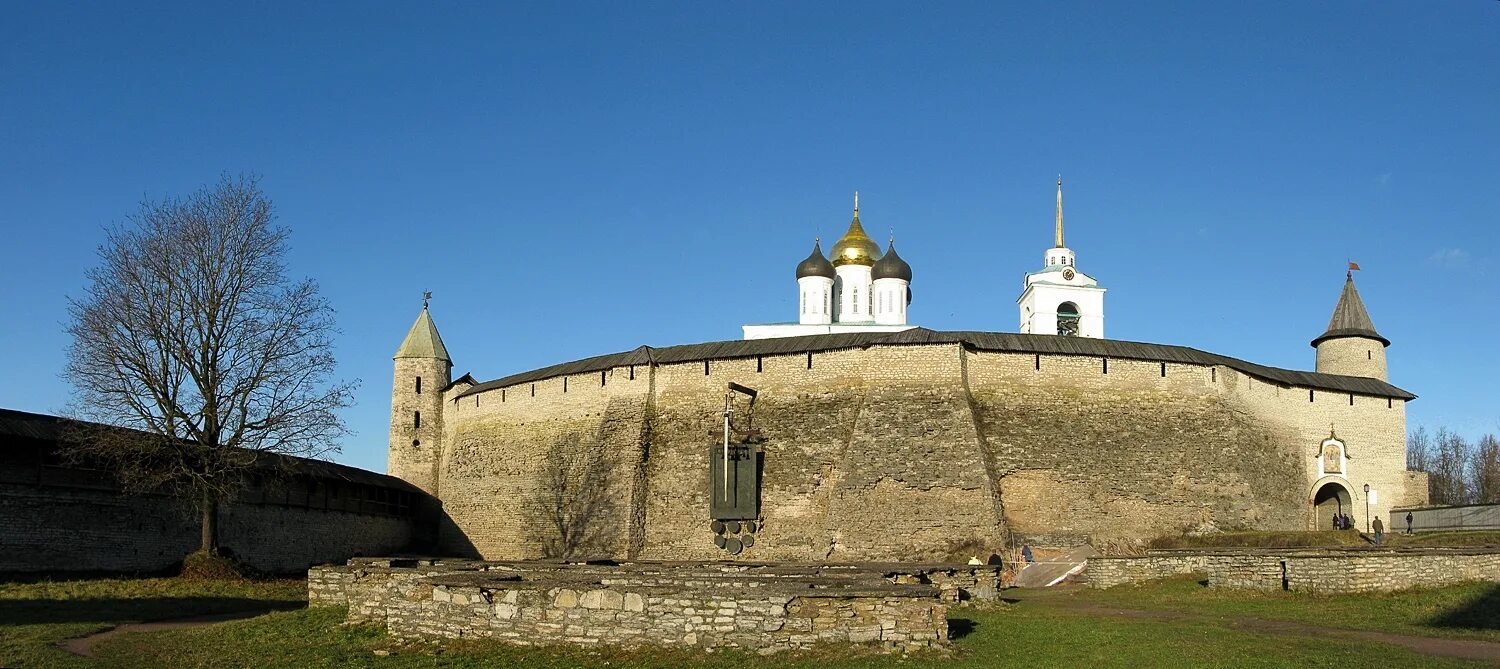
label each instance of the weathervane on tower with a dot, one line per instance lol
(426, 297)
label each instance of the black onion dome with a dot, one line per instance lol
(891, 266)
(815, 264)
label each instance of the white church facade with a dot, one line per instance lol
(854, 289)
(857, 288)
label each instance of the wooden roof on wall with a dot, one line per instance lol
(980, 341)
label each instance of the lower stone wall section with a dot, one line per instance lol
(60, 529)
(767, 608)
(1304, 570)
(1390, 571)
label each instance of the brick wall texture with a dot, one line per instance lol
(911, 452)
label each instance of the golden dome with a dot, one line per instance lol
(856, 247)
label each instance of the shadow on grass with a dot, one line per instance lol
(115, 610)
(959, 628)
(1482, 613)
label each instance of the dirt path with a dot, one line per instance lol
(84, 646)
(1469, 649)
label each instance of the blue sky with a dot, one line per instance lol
(581, 179)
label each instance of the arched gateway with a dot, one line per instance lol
(1330, 498)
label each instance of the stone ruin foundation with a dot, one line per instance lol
(762, 607)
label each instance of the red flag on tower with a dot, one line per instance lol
(1353, 266)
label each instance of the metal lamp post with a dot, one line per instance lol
(1367, 508)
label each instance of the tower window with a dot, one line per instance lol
(602, 380)
(416, 419)
(1370, 354)
(804, 302)
(1388, 403)
(809, 360)
(1164, 370)
(1067, 319)
(1213, 374)
(476, 400)
(1351, 399)
(533, 390)
(760, 365)
(1309, 394)
(1038, 362)
(502, 394)
(1106, 365)
(705, 368)
(565, 384)
(415, 443)
(419, 385)
(632, 372)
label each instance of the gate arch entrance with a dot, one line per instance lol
(1329, 499)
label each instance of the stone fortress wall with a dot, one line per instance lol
(61, 516)
(922, 447)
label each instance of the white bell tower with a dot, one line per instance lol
(1059, 299)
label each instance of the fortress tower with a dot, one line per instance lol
(1350, 343)
(422, 371)
(1058, 299)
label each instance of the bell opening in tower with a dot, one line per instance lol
(1067, 319)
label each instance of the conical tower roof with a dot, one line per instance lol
(1350, 318)
(815, 264)
(423, 340)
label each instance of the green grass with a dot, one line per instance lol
(1017, 636)
(34, 616)
(1046, 629)
(1470, 611)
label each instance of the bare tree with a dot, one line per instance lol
(190, 334)
(576, 515)
(1419, 450)
(1448, 477)
(1486, 470)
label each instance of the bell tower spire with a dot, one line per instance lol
(1059, 243)
(1059, 299)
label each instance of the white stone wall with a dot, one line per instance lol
(852, 295)
(1039, 302)
(890, 301)
(814, 300)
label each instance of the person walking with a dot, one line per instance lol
(1408, 522)
(1379, 531)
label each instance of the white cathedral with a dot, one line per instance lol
(860, 289)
